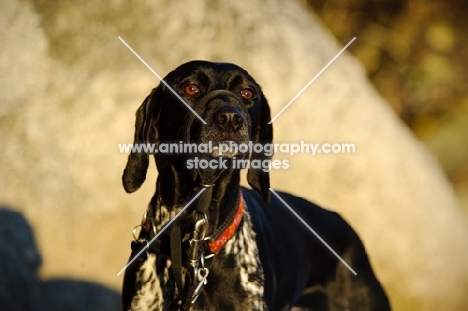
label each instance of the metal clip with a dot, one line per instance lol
(199, 233)
(197, 257)
(201, 277)
(136, 233)
(143, 226)
(199, 230)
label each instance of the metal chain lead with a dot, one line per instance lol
(197, 257)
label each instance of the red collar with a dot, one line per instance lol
(227, 234)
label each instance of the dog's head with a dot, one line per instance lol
(224, 96)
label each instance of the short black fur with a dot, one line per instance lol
(272, 262)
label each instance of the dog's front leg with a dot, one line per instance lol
(142, 287)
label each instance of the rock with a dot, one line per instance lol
(68, 96)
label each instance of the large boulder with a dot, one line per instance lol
(69, 90)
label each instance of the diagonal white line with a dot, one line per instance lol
(311, 81)
(161, 79)
(161, 231)
(312, 230)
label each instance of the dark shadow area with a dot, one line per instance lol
(20, 287)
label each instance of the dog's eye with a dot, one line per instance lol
(247, 93)
(191, 89)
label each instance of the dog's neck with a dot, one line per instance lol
(179, 188)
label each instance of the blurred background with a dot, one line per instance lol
(415, 54)
(69, 90)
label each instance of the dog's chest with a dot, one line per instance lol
(245, 252)
(148, 295)
(235, 282)
(236, 279)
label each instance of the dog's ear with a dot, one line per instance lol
(263, 134)
(146, 132)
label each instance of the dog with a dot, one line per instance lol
(221, 246)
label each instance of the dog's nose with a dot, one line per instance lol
(228, 118)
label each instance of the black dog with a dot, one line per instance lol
(232, 249)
